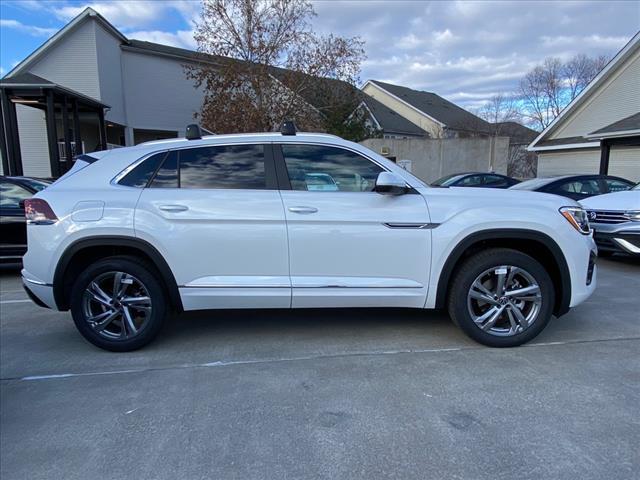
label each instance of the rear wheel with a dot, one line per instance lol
(118, 304)
(501, 297)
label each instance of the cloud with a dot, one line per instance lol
(181, 38)
(28, 29)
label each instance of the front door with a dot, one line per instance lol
(217, 215)
(348, 245)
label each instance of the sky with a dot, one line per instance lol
(465, 51)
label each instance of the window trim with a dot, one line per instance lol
(283, 174)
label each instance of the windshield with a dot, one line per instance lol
(532, 184)
(447, 179)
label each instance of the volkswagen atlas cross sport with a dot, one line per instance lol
(132, 235)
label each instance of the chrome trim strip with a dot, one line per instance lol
(300, 286)
(213, 285)
(36, 282)
(411, 225)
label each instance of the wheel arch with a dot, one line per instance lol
(536, 244)
(86, 250)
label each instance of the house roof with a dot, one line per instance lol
(29, 81)
(542, 141)
(60, 34)
(517, 132)
(388, 120)
(446, 113)
(622, 128)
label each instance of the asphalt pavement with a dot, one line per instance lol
(333, 394)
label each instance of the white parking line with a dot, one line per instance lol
(15, 301)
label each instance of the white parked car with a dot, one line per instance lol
(227, 221)
(615, 218)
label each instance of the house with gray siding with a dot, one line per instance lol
(599, 131)
(141, 88)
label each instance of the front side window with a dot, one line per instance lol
(318, 168)
(223, 167)
(11, 195)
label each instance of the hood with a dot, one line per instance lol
(627, 200)
(445, 203)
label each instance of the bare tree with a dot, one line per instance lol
(262, 63)
(498, 109)
(548, 88)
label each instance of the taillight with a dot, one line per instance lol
(38, 212)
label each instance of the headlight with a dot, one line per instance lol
(577, 217)
(634, 215)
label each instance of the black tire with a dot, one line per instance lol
(143, 273)
(485, 260)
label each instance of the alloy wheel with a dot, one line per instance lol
(116, 305)
(504, 300)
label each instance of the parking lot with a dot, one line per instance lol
(325, 394)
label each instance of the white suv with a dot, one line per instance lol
(130, 235)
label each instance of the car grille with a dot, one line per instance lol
(610, 217)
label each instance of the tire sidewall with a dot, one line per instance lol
(144, 275)
(477, 264)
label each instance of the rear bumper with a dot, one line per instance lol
(40, 292)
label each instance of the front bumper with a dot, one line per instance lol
(623, 239)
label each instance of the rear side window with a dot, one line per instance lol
(142, 173)
(167, 175)
(614, 185)
(580, 187)
(223, 167)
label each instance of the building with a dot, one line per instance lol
(437, 117)
(599, 131)
(387, 122)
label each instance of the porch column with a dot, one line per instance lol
(129, 140)
(68, 154)
(77, 137)
(103, 131)
(52, 135)
(12, 139)
(4, 152)
(605, 150)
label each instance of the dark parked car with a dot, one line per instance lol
(476, 179)
(577, 187)
(13, 231)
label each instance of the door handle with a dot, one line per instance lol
(303, 210)
(174, 208)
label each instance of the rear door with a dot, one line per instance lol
(217, 216)
(348, 245)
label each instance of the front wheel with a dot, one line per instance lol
(501, 297)
(118, 304)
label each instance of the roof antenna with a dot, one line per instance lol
(193, 132)
(288, 128)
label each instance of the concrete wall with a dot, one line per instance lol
(434, 158)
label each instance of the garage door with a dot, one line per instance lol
(566, 163)
(625, 162)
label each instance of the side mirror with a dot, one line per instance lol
(389, 183)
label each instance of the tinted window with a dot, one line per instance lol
(224, 167)
(167, 176)
(11, 194)
(580, 187)
(496, 181)
(329, 169)
(470, 181)
(614, 185)
(139, 176)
